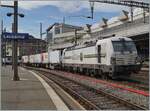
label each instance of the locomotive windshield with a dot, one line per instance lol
(120, 46)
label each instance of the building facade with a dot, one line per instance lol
(59, 29)
(25, 47)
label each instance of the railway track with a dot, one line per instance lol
(90, 98)
(132, 83)
(142, 76)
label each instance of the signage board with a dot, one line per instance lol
(7, 35)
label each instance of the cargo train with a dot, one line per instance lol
(113, 57)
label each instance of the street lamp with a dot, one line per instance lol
(9, 14)
(64, 17)
(20, 14)
(89, 17)
(15, 42)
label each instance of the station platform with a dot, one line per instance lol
(30, 93)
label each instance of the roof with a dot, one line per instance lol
(113, 20)
(116, 19)
(51, 26)
(114, 39)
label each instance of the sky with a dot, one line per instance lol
(49, 12)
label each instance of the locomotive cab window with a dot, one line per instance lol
(120, 46)
(99, 53)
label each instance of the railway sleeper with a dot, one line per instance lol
(111, 102)
(118, 106)
(96, 98)
(86, 92)
(66, 82)
(110, 105)
(75, 85)
(77, 89)
(89, 95)
(102, 106)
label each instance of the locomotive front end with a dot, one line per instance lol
(124, 58)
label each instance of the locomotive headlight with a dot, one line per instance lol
(113, 60)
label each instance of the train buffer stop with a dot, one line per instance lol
(30, 93)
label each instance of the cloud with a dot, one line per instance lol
(66, 6)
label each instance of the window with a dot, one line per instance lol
(117, 45)
(123, 46)
(57, 30)
(81, 56)
(49, 36)
(130, 46)
(99, 53)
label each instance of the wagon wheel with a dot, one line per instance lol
(106, 76)
(102, 75)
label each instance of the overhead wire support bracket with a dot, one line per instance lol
(125, 3)
(8, 6)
